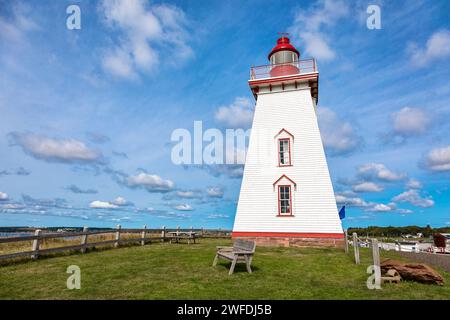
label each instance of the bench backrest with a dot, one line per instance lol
(244, 245)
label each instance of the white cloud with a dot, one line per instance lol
(338, 136)
(218, 216)
(437, 47)
(215, 192)
(120, 63)
(438, 159)
(184, 194)
(189, 194)
(16, 29)
(147, 32)
(55, 150)
(237, 115)
(342, 199)
(183, 207)
(120, 201)
(121, 219)
(413, 184)
(381, 207)
(166, 214)
(3, 196)
(75, 189)
(378, 171)
(367, 187)
(229, 170)
(412, 196)
(102, 205)
(410, 121)
(150, 182)
(309, 27)
(13, 206)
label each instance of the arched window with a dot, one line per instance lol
(284, 152)
(285, 141)
(285, 187)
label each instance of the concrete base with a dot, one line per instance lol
(296, 242)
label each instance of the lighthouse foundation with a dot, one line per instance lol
(315, 241)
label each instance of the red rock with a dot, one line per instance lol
(413, 271)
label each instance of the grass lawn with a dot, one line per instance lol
(181, 271)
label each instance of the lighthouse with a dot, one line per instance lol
(286, 195)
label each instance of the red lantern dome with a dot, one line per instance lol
(284, 44)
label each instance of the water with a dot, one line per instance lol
(15, 234)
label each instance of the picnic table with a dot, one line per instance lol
(181, 235)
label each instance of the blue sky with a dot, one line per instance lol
(86, 116)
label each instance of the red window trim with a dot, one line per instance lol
(290, 155)
(285, 176)
(290, 214)
(284, 130)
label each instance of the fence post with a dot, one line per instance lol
(84, 239)
(192, 229)
(376, 263)
(178, 229)
(202, 232)
(143, 235)
(36, 243)
(346, 240)
(356, 247)
(116, 244)
(163, 234)
(375, 253)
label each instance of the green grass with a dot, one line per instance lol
(181, 271)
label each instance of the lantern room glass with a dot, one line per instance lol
(284, 56)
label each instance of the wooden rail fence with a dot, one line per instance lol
(374, 245)
(146, 236)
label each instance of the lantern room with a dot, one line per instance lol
(283, 52)
(285, 72)
(284, 58)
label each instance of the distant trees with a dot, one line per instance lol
(397, 231)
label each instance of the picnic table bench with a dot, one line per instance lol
(241, 252)
(176, 236)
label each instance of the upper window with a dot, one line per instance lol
(284, 200)
(284, 152)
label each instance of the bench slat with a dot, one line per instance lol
(244, 245)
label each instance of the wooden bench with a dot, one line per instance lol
(241, 252)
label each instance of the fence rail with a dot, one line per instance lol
(146, 236)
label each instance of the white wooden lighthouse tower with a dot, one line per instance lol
(286, 194)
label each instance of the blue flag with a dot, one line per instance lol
(342, 213)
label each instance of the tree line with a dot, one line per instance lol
(397, 231)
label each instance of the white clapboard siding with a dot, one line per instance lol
(313, 202)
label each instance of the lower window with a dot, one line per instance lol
(284, 201)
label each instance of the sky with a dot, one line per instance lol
(87, 114)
